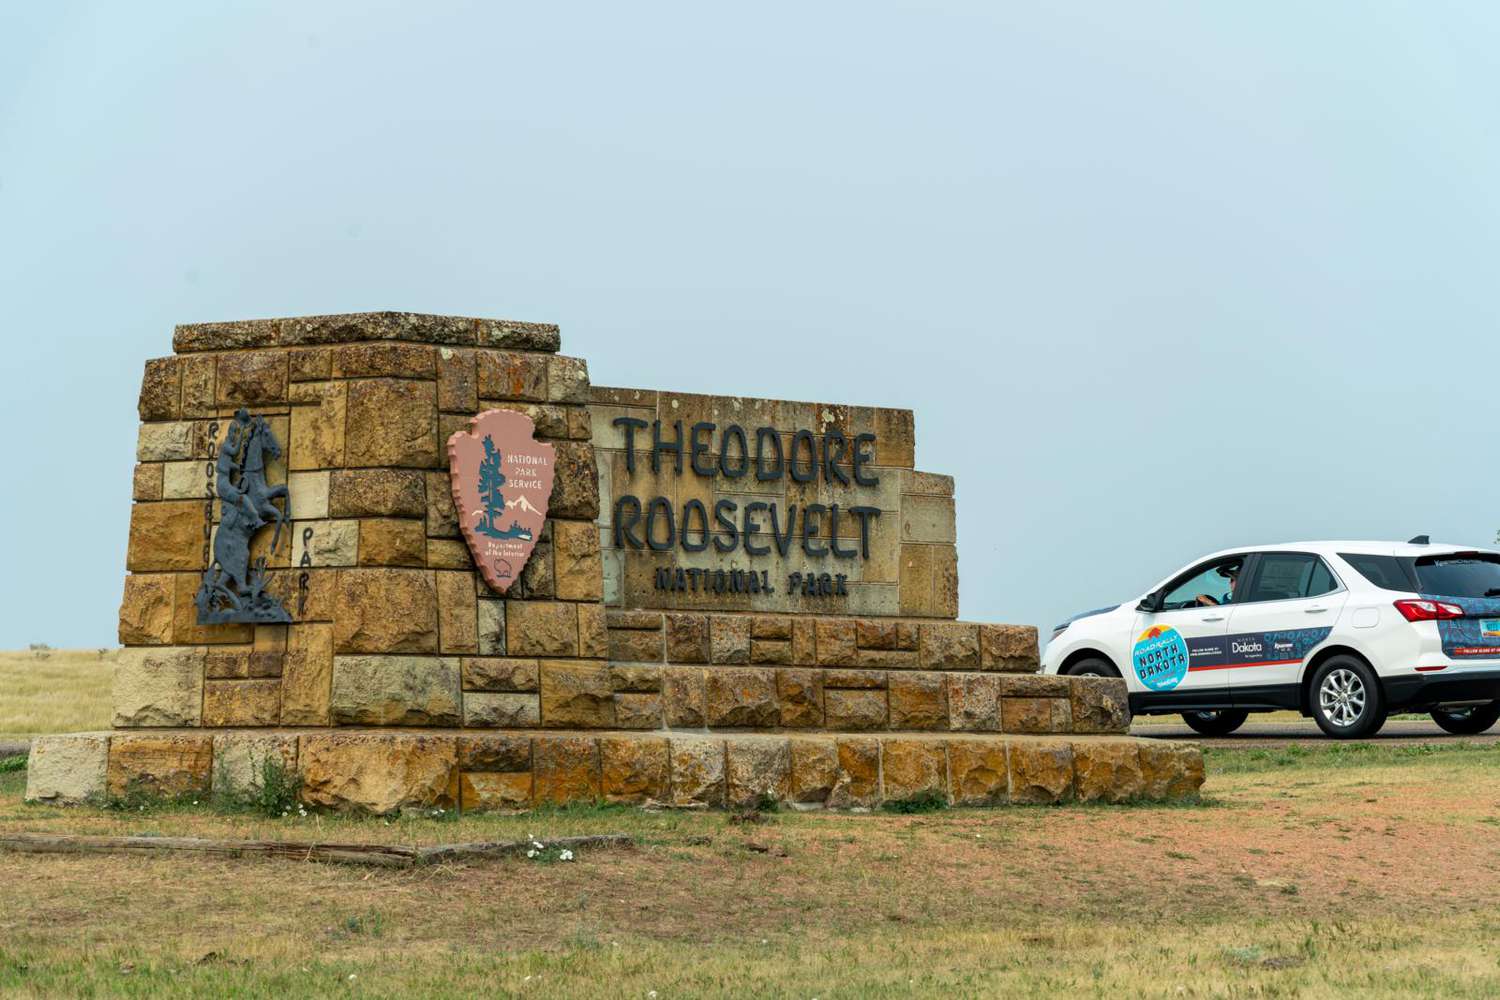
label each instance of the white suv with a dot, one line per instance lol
(1346, 632)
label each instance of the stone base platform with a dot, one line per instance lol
(385, 770)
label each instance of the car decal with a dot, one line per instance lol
(1160, 657)
(1475, 635)
(1254, 649)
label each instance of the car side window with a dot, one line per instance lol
(1204, 586)
(1284, 576)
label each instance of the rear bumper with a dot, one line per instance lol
(1420, 691)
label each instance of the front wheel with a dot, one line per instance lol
(1468, 721)
(1347, 702)
(1221, 722)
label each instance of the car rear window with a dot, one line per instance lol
(1471, 574)
(1386, 572)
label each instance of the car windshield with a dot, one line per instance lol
(1470, 574)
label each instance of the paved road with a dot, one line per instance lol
(1282, 733)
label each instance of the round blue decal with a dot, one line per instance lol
(1160, 657)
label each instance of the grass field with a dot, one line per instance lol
(55, 691)
(1322, 872)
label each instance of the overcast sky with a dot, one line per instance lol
(1156, 278)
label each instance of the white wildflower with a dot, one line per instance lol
(566, 855)
(530, 854)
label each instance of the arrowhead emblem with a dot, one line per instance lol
(502, 478)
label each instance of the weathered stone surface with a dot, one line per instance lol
(352, 327)
(395, 691)
(913, 769)
(394, 360)
(494, 753)
(68, 769)
(242, 703)
(165, 442)
(757, 770)
(146, 484)
(918, 700)
(507, 375)
(804, 643)
(1100, 704)
(1107, 770)
(458, 622)
(537, 578)
(858, 783)
(161, 390)
(392, 422)
(575, 490)
(315, 364)
(1034, 686)
(458, 387)
(167, 765)
(385, 611)
(541, 628)
(158, 686)
(850, 678)
(577, 695)
(240, 760)
(687, 638)
(331, 543)
(227, 663)
(638, 679)
(948, 645)
(318, 429)
(1040, 770)
(442, 520)
(944, 580)
(815, 771)
(635, 770)
(514, 335)
(1034, 715)
(577, 569)
(742, 697)
(183, 481)
(799, 694)
(308, 493)
(836, 645)
(886, 659)
(491, 625)
(567, 380)
(593, 637)
(630, 619)
(497, 673)
(854, 710)
(307, 676)
(697, 771)
(392, 541)
(638, 711)
(973, 702)
(224, 336)
(448, 553)
(729, 639)
(566, 769)
(376, 493)
(198, 387)
(635, 645)
(684, 699)
(251, 378)
(1009, 647)
(1170, 770)
(501, 710)
(488, 791)
(146, 611)
(165, 535)
(978, 774)
(777, 651)
(379, 773)
(771, 627)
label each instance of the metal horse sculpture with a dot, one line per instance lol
(234, 588)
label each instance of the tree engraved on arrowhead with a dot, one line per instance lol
(502, 478)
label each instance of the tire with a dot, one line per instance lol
(1346, 700)
(1093, 667)
(1468, 721)
(1217, 722)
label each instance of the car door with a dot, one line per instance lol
(1286, 610)
(1175, 648)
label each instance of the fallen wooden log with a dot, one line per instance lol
(380, 855)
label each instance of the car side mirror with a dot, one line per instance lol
(1150, 604)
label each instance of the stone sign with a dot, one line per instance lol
(502, 477)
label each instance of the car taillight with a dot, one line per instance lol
(1428, 611)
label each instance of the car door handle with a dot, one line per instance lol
(1213, 618)
(1317, 610)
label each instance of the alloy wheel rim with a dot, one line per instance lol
(1342, 697)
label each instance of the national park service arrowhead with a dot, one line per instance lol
(502, 477)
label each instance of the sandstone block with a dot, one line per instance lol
(487, 791)
(67, 769)
(1009, 648)
(871, 679)
(227, 664)
(978, 774)
(1041, 771)
(630, 619)
(973, 702)
(1035, 686)
(458, 385)
(325, 543)
(625, 677)
(308, 492)
(505, 375)
(886, 659)
(251, 378)
(198, 387)
(854, 710)
(165, 442)
(799, 695)
(836, 642)
(377, 493)
(815, 771)
(577, 568)
(635, 645)
(392, 541)
(315, 364)
(146, 611)
(307, 676)
(491, 627)
(804, 643)
(385, 611)
(166, 765)
(697, 771)
(684, 698)
(242, 703)
(318, 429)
(541, 628)
(742, 697)
(1170, 771)
(185, 628)
(497, 673)
(537, 578)
(918, 700)
(448, 553)
(729, 639)
(775, 651)
(501, 710)
(577, 695)
(165, 535)
(161, 390)
(183, 481)
(240, 760)
(638, 711)
(567, 380)
(913, 769)
(392, 422)
(593, 637)
(507, 333)
(442, 520)
(1099, 704)
(392, 360)
(566, 769)
(1035, 715)
(634, 770)
(857, 785)
(772, 627)
(146, 484)
(757, 770)
(395, 691)
(944, 580)
(948, 645)
(494, 753)
(158, 686)
(869, 634)
(380, 773)
(687, 638)
(458, 609)
(575, 489)
(1107, 770)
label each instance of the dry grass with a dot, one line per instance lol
(1305, 874)
(55, 691)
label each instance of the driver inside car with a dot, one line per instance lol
(1231, 573)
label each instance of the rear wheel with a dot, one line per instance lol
(1468, 721)
(1219, 722)
(1347, 702)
